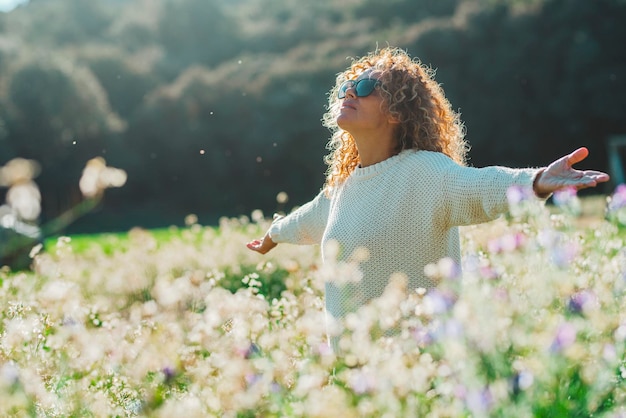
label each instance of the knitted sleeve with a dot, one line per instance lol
(474, 195)
(305, 225)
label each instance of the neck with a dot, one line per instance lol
(374, 148)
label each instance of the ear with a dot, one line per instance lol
(392, 120)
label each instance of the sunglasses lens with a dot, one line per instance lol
(362, 88)
(344, 87)
(365, 87)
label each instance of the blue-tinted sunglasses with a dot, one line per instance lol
(363, 87)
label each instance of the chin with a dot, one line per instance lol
(343, 122)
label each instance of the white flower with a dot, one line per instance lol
(18, 171)
(282, 198)
(25, 199)
(97, 177)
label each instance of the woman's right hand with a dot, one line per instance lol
(262, 245)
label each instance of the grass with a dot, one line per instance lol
(111, 241)
(592, 212)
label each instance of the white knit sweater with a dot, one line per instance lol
(405, 211)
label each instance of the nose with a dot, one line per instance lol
(351, 92)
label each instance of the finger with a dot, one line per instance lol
(599, 176)
(591, 180)
(586, 184)
(258, 250)
(253, 245)
(577, 156)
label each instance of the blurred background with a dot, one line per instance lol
(213, 107)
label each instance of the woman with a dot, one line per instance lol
(396, 187)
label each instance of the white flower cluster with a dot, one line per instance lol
(97, 177)
(193, 325)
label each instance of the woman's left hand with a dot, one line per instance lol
(560, 174)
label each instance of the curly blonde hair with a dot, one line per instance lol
(410, 95)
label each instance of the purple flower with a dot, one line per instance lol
(449, 269)
(488, 272)
(474, 265)
(324, 349)
(9, 374)
(460, 391)
(501, 294)
(479, 401)
(69, 321)
(564, 338)
(453, 329)
(521, 381)
(564, 255)
(439, 301)
(616, 208)
(609, 353)
(252, 351)
(581, 301)
(441, 330)
(517, 194)
(565, 197)
(506, 243)
(548, 238)
(169, 373)
(362, 382)
(252, 378)
(422, 336)
(618, 199)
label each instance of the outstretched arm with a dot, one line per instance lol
(303, 226)
(560, 174)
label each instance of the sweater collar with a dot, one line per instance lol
(361, 173)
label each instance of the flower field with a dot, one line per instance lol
(196, 325)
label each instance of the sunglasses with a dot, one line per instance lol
(362, 88)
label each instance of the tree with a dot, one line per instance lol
(196, 32)
(534, 82)
(125, 81)
(64, 22)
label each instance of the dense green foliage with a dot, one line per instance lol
(214, 107)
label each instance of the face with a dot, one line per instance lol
(359, 111)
